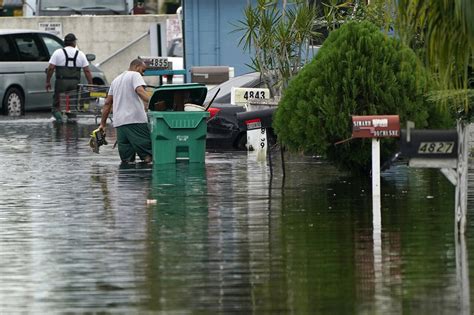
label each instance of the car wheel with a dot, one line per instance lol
(13, 102)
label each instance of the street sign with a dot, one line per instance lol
(55, 28)
(376, 126)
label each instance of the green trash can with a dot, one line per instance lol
(177, 134)
(173, 97)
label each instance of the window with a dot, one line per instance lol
(51, 43)
(7, 53)
(29, 48)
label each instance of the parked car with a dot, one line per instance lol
(24, 56)
(223, 129)
(248, 80)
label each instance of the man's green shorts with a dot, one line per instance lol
(134, 139)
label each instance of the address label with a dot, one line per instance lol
(242, 95)
(436, 147)
(155, 63)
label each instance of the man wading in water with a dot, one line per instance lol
(128, 100)
(67, 62)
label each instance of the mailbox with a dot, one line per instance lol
(429, 144)
(210, 74)
(256, 119)
(381, 126)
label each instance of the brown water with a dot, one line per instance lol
(79, 233)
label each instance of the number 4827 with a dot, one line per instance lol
(435, 147)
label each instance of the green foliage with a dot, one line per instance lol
(358, 71)
(378, 12)
(338, 12)
(445, 28)
(278, 38)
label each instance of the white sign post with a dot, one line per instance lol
(376, 182)
(375, 127)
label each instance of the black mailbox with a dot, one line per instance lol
(429, 144)
(256, 119)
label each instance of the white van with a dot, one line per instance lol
(24, 56)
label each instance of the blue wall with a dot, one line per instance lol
(208, 34)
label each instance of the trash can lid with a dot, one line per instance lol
(190, 93)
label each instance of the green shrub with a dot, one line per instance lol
(358, 71)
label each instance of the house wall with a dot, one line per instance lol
(210, 37)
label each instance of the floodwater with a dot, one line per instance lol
(80, 234)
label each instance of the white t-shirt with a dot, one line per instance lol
(59, 59)
(127, 106)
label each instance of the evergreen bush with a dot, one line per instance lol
(358, 71)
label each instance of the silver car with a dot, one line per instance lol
(24, 56)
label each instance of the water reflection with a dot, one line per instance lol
(177, 227)
(79, 233)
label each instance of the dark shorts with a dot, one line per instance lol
(134, 139)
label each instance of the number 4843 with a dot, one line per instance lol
(254, 94)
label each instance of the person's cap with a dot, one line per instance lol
(70, 37)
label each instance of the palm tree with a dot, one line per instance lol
(447, 30)
(278, 36)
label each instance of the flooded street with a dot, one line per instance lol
(79, 233)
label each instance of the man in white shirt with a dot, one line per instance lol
(128, 100)
(67, 62)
